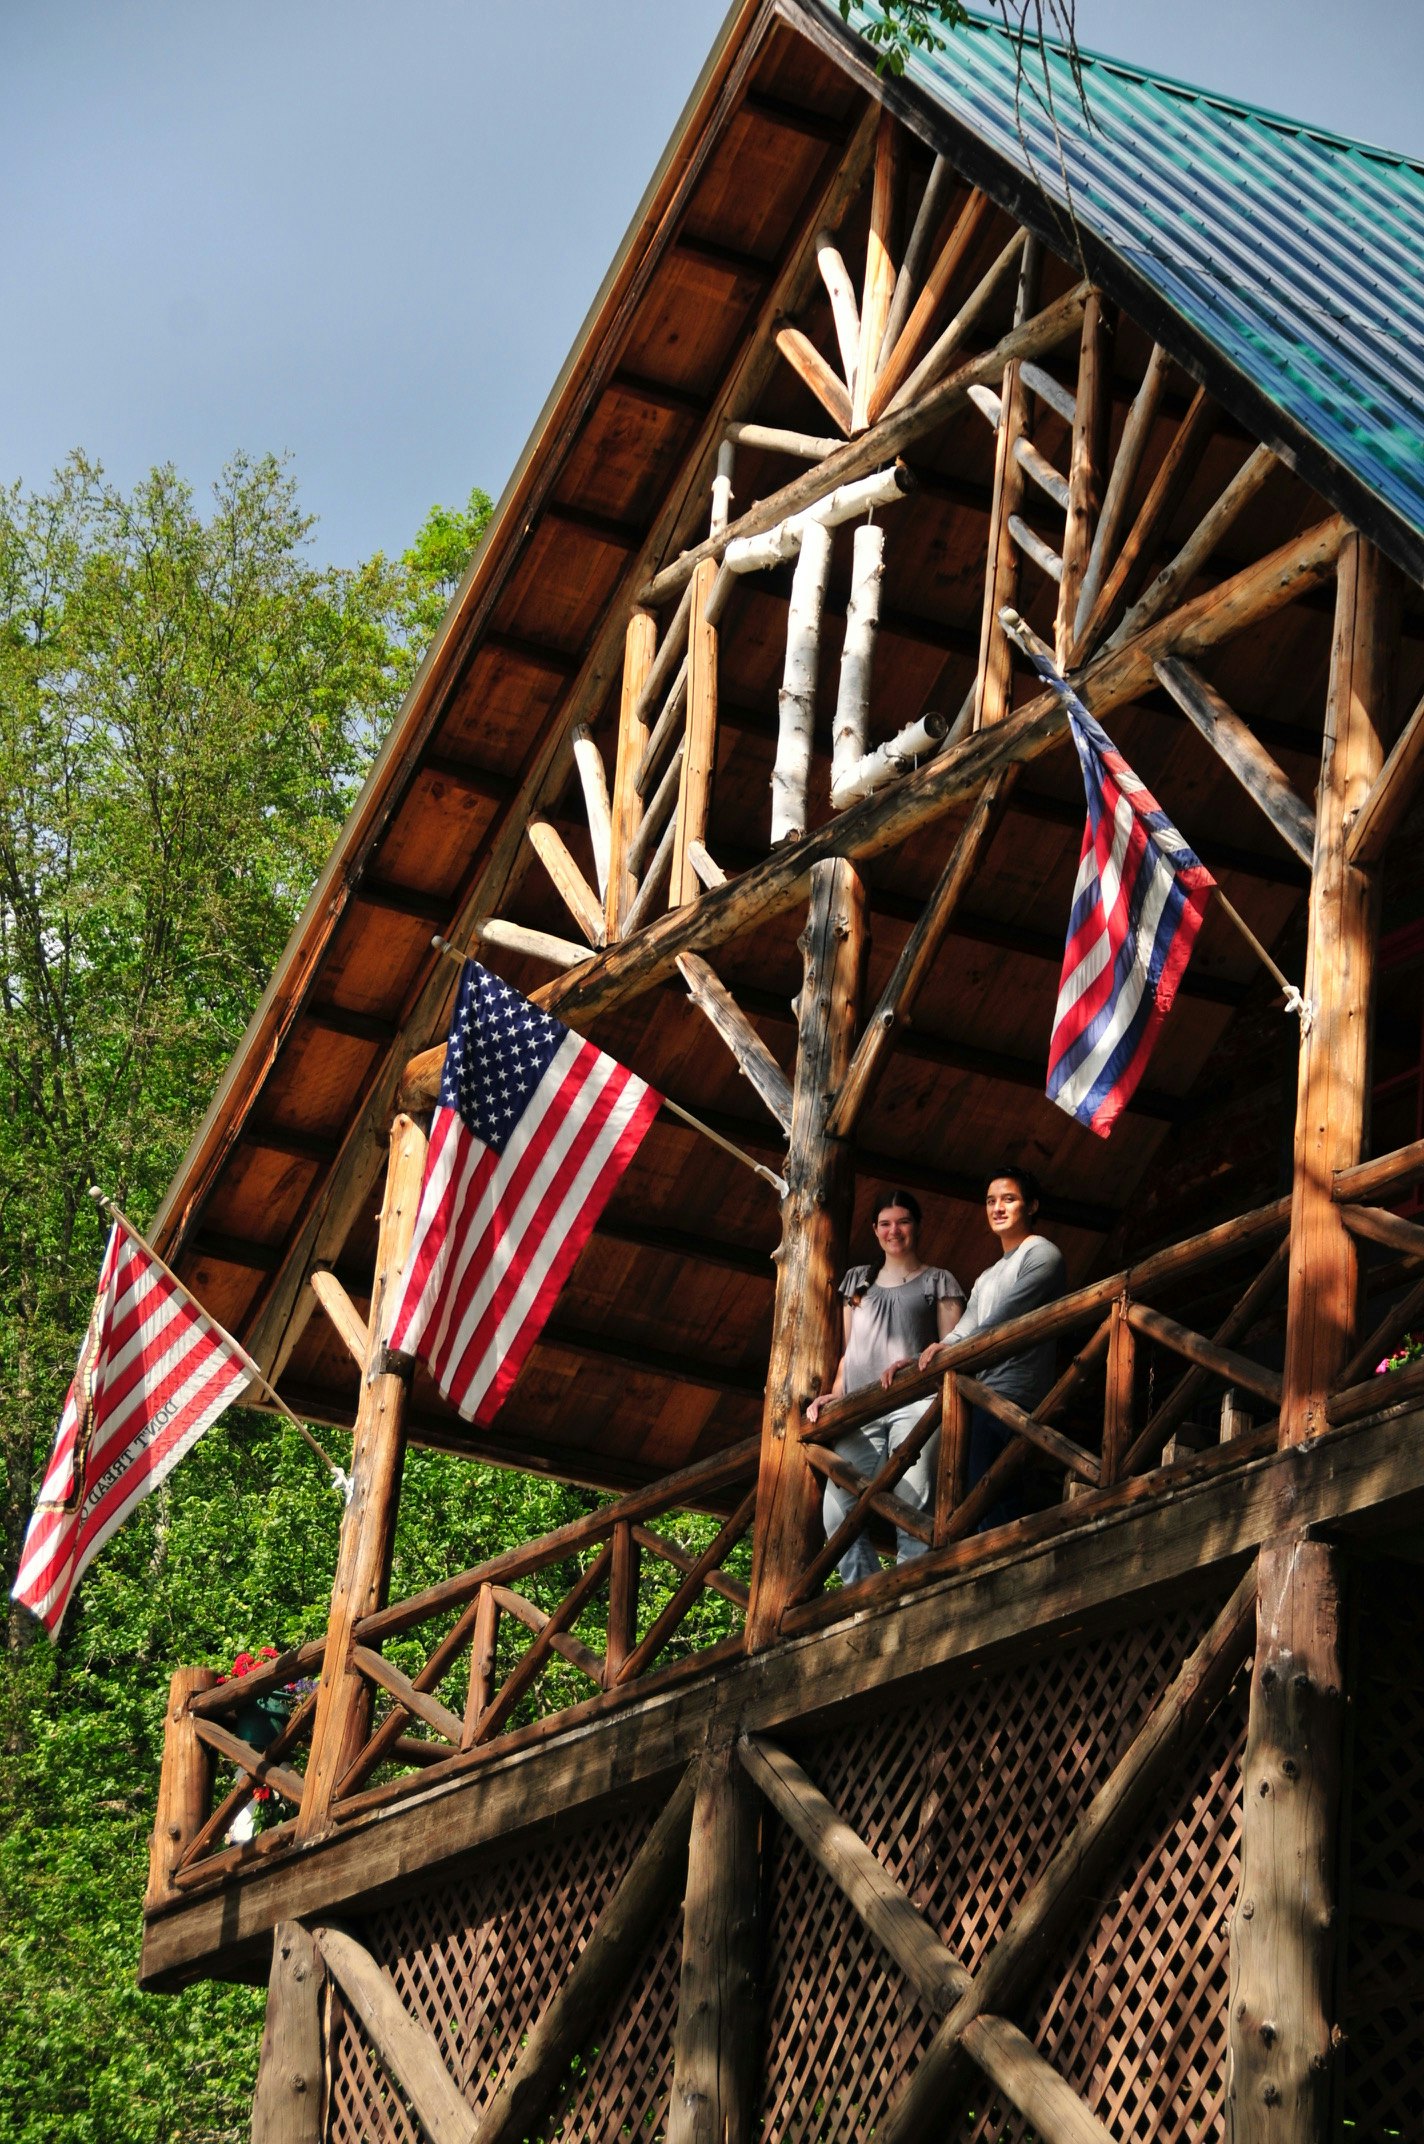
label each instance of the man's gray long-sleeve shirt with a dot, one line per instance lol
(1028, 1278)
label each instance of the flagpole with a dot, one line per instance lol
(341, 1480)
(769, 1176)
(1041, 656)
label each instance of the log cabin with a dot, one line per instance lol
(1101, 1823)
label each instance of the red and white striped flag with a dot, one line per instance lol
(152, 1375)
(533, 1129)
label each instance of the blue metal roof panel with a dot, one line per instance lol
(1293, 252)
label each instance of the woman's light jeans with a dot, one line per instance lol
(867, 1449)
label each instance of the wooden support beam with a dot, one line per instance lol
(419, 1703)
(1391, 794)
(694, 796)
(1281, 2033)
(682, 1559)
(1375, 1224)
(1052, 1441)
(896, 431)
(260, 1765)
(897, 999)
(287, 2104)
(808, 364)
(993, 692)
(563, 1642)
(593, 780)
(1091, 411)
(873, 1494)
(646, 1651)
(754, 1060)
(805, 1340)
(1117, 1406)
(622, 1601)
(1117, 499)
(1174, 1410)
(1007, 2058)
(845, 313)
(1241, 753)
(570, 884)
(879, 285)
(907, 349)
(938, 187)
(926, 2106)
(343, 1712)
(536, 1659)
(796, 702)
(715, 2046)
(475, 1626)
(407, 2049)
(1178, 466)
(1333, 1085)
(185, 1785)
(344, 1315)
(1219, 1361)
(1043, 555)
(883, 1502)
(1175, 579)
(597, 1977)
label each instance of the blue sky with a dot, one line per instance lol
(365, 235)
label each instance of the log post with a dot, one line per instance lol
(287, 2106)
(715, 2051)
(796, 706)
(1091, 410)
(851, 731)
(994, 690)
(343, 1712)
(185, 1785)
(1333, 1083)
(806, 1335)
(1280, 2048)
(699, 756)
(1117, 1406)
(627, 807)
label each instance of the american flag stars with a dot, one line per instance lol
(499, 1049)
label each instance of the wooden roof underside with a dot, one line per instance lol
(656, 1352)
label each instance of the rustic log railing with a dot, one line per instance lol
(638, 1608)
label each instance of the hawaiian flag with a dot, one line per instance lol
(533, 1129)
(152, 1375)
(1138, 904)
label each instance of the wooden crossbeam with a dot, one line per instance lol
(664, 1624)
(811, 368)
(419, 1703)
(1023, 1424)
(1391, 794)
(214, 1828)
(879, 285)
(407, 2049)
(993, 691)
(1241, 753)
(1177, 576)
(953, 336)
(1088, 413)
(682, 1559)
(1117, 499)
(1178, 465)
(596, 1978)
(906, 351)
(1386, 1336)
(754, 1060)
(1179, 1402)
(536, 1659)
(1377, 1225)
(845, 313)
(938, 188)
(257, 1764)
(940, 1979)
(883, 1502)
(924, 2108)
(344, 1315)
(1206, 1354)
(593, 780)
(565, 1644)
(387, 1736)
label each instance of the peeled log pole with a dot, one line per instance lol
(1334, 1078)
(407, 2049)
(287, 2106)
(694, 794)
(597, 1977)
(718, 2013)
(916, 741)
(343, 1712)
(796, 706)
(627, 806)
(805, 1334)
(848, 737)
(185, 1785)
(1280, 2050)
(926, 2106)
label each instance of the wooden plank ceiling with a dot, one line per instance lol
(656, 1352)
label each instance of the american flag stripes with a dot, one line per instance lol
(533, 1129)
(1138, 904)
(152, 1375)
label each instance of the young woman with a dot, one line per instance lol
(1028, 1273)
(893, 1308)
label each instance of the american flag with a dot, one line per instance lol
(152, 1375)
(533, 1129)
(1138, 904)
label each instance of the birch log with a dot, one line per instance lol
(752, 554)
(796, 707)
(910, 745)
(858, 653)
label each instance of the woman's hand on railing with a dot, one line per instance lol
(927, 1355)
(813, 1407)
(887, 1377)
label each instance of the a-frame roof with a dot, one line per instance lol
(1279, 261)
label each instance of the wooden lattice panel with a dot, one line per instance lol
(1381, 2082)
(964, 1798)
(476, 1963)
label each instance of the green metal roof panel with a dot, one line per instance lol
(1292, 252)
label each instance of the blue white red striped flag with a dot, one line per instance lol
(154, 1372)
(1138, 904)
(533, 1129)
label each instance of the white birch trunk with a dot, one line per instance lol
(858, 655)
(914, 742)
(797, 704)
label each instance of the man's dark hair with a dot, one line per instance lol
(1027, 1182)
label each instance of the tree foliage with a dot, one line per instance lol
(187, 706)
(898, 28)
